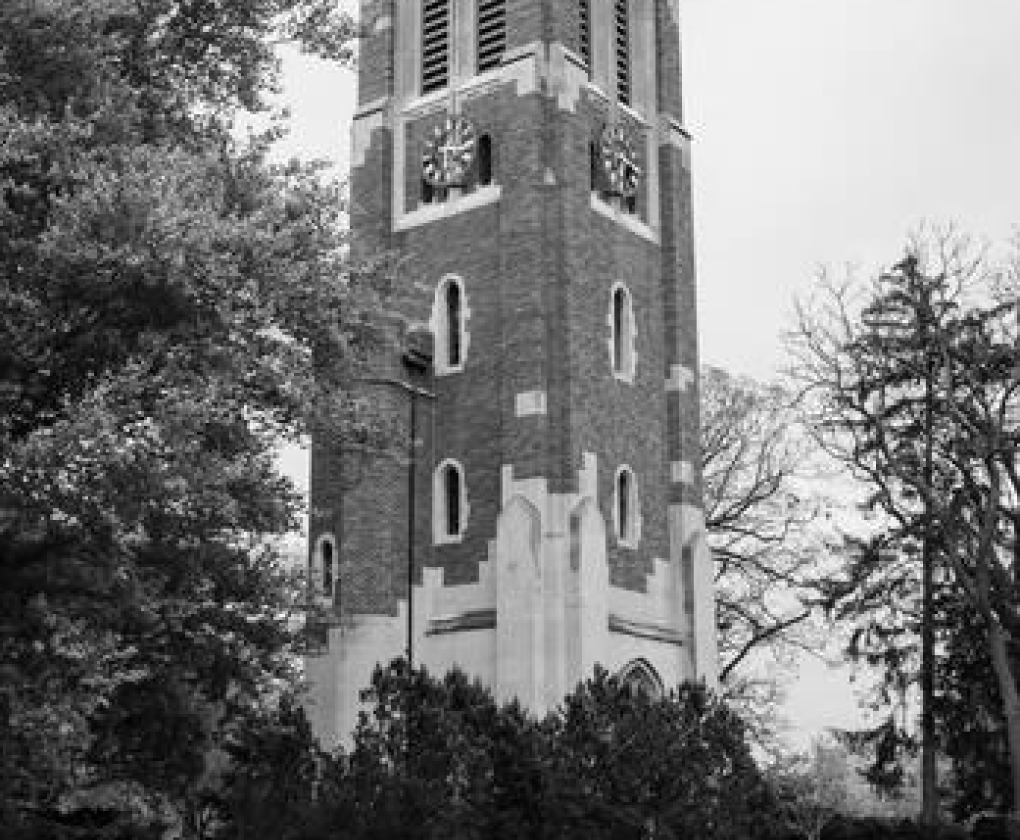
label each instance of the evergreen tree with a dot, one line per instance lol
(917, 391)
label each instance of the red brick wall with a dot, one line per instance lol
(537, 270)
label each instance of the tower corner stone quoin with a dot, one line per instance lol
(541, 513)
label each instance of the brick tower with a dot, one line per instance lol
(528, 158)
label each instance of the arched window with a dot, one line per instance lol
(626, 513)
(593, 163)
(623, 357)
(641, 678)
(453, 318)
(327, 566)
(451, 488)
(449, 326)
(619, 319)
(323, 574)
(449, 503)
(484, 160)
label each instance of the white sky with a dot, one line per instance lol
(824, 131)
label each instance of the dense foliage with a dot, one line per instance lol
(440, 758)
(163, 291)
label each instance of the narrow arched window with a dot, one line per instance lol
(484, 160)
(626, 514)
(449, 325)
(454, 319)
(619, 316)
(451, 487)
(593, 164)
(622, 338)
(449, 503)
(328, 571)
(623, 501)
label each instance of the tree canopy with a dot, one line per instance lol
(164, 291)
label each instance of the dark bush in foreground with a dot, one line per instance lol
(995, 827)
(870, 828)
(440, 758)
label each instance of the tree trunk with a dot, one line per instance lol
(1010, 702)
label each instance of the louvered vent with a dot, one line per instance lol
(435, 45)
(491, 33)
(584, 26)
(622, 52)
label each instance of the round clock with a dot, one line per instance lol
(619, 162)
(448, 152)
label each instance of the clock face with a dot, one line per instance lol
(619, 162)
(448, 152)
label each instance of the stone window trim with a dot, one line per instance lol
(442, 533)
(622, 333)
(626, 508)
(325, 567)
(442, 329)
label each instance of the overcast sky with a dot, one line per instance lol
(824, 131)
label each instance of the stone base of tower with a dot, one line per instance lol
(541, 615)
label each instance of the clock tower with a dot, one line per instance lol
(542, 514)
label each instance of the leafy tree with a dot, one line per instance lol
(917, 391)
(163, 291)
